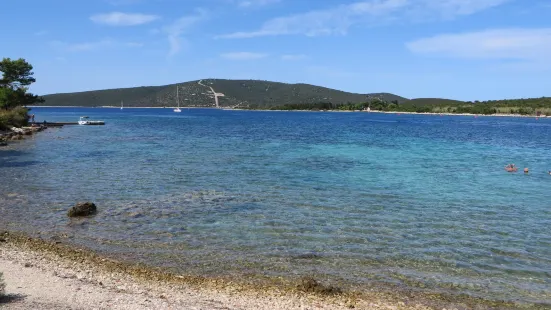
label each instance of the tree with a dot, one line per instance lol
(17, 75)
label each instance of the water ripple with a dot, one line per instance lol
(418, 201)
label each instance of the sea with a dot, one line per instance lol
(361, 200)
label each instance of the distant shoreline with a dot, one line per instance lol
(339, 111)
(113, 107)
(397, 112)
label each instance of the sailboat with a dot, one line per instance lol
(177, 100)
(121, 104)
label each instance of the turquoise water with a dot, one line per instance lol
(422, 202)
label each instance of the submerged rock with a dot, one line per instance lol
(308, 256)
(82, 209)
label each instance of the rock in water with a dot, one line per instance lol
(82, 209)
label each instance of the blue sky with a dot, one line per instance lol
(460, 49)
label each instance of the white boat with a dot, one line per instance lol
(122, 104)
(178, 101)
(85, 121)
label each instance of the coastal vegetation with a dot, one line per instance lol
(16, 117)
(17, 76)
(532, 106)
(266, 95)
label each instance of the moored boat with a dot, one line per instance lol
(85, 121)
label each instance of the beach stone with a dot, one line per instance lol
(135, 214)
(82, 209)
(308, 256)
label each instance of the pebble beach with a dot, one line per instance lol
(44, 275)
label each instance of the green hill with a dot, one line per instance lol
(257, 94)
(237, 93)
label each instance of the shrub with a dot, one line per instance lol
(15, 117)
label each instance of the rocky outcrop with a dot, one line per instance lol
(15, 134)
(82, 209)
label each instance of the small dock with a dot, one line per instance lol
(54, 124)
(61, 124)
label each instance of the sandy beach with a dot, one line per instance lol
(47, 276)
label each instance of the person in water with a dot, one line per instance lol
(526, 170)
(511, 168)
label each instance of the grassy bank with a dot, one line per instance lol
(16, 117)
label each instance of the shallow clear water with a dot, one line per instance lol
(419, 201)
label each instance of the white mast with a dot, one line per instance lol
(177, 100)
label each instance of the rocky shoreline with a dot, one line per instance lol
(47, 274)
(16, 134)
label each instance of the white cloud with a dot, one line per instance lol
(175, 30)
(452, 8)
(339, 19)
(512, 44)
(254, 3)
(123, 19)
(294, 57)
(92, 45)
(243, 56)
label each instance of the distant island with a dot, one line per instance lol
(266, 95)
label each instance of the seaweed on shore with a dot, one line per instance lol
(311, 285)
